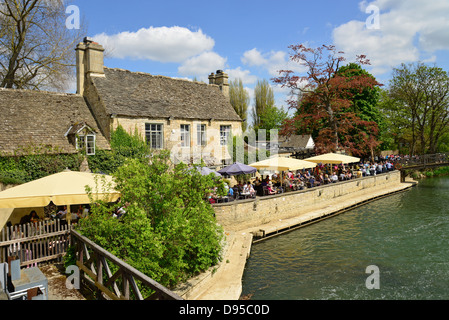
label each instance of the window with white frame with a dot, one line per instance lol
(86, 142)
(154, 134)
(185, 135)
(225, 133)
(90, 144)
(201, 135)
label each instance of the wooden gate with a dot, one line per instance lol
(35, 243)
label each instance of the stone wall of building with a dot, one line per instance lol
(213, 152)
(244, 214)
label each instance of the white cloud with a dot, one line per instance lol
(163, 44)
(202, 65)
(253, 57)
(273, 61)
(244, 75)
(408, 31)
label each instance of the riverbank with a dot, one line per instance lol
(430, 173)
(224, 282)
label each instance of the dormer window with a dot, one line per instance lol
(87, 143)
(82, 137)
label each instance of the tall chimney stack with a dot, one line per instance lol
(220, 79)
(89, 62)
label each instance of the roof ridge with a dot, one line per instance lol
(160, 76)
(40, 92)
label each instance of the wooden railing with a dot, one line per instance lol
(439, 159)
(35, 243)
(93, 262)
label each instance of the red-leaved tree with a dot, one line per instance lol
(322, 100)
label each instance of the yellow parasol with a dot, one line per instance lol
(283, 164)
(333, 158)
(64, 188)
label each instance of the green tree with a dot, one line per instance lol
(240, 100)
(364, 98)
(423, 93)
(323, 100)
(395, 126)
(169, 231)
(272, 118)
(263, 97)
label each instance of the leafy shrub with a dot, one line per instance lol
(13, 177)
(169, 231)
(30, 165)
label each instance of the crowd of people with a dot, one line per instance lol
(322, 174)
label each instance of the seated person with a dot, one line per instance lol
(287, 183)
(251, 191)
(211, 199)
(85, 212)
(246, 188)
(270, 190)
(34, 217)
(312, 181)
(334, 177)
(62, 213)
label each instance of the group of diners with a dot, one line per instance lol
(322, 174)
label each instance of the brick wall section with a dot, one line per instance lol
(244, 214)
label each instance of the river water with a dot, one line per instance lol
(405, 236)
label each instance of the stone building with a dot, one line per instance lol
(191, 119)
(54, 122)
(296, 146)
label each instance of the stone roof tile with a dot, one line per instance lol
(42, 118)
(138, 94)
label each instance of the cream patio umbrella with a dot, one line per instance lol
(283, 164)
(333, 158)
(64, 188)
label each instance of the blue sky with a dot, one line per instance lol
(249, 39)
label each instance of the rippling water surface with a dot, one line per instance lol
(406, 236)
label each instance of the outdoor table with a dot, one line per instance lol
(222, 199)
(31, 278)
(245, 195)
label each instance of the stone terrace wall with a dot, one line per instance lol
(244, 214)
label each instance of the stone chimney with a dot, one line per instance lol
(89, 62)
(220, 79)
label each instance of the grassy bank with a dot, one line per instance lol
(437, 172)
(430, 173)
